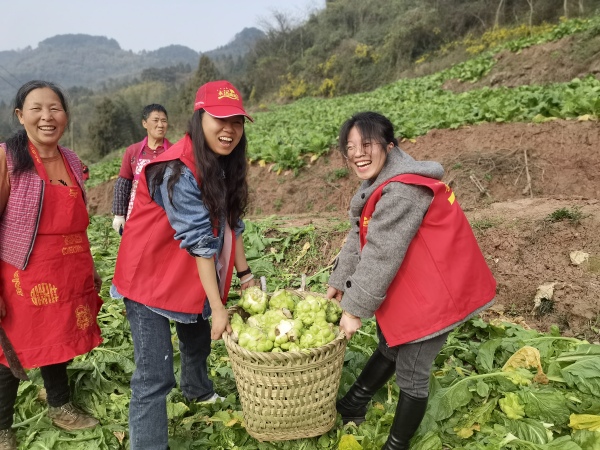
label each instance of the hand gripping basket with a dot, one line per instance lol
(288, 395)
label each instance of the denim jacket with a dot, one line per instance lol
(191, 221)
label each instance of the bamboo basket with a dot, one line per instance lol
(288, 395)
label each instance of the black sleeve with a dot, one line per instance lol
(121, 196)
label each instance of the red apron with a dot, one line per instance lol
(51, 306)
(137, 170)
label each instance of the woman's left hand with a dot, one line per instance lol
(334, 294)
(248, 284)
(97, 281)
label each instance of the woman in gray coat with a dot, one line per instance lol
(412, 261)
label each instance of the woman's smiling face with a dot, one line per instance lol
(222, 135)
(43, 117)
(365, 157)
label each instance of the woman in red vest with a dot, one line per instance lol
(176, 258)
(412, 261)
(48, 285)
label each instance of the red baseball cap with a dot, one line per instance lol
(220, 99)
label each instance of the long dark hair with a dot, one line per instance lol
(222, 179)
(373, 127)
(17, 144)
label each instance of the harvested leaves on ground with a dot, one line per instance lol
(495, 385)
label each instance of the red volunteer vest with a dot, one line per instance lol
(20, 220)
(151, 268)
(443, 277)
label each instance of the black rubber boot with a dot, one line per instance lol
(409, 414)
(377, 371)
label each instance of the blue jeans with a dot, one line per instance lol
(153, 377)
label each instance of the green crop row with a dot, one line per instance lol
(289, 136)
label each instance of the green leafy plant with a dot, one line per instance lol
(573, 215)
(475, 388)
(103, 171)
(337, 174)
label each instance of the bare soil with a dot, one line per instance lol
(530, 191)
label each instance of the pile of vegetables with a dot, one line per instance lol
(285, 322)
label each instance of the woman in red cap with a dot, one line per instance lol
(177, 255)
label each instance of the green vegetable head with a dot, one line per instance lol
(236, 319)
(286, 331)
(237, 324)
(254, 300)
(317, 335)
(256, 321)
(511, 406)
(310, 309)
(333, 312)
(282, 299)
(349, 442)
(254, 339)
(308, 340)
(293, 347)
(272, 317)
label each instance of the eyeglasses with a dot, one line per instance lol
(367, 149)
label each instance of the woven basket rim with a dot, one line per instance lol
(284, 356)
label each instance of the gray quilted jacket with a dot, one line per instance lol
(364, 277)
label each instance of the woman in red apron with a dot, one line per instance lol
(48, 285)
(155, 121)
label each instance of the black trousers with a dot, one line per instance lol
(413, 362)
(56, 383)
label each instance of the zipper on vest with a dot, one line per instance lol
(37, 224)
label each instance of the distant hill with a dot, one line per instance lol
(241, 44)
(95, 61)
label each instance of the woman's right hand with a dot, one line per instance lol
(118, 224)
(220, 323)
(247, 284)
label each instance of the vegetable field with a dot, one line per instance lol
(288, 136)
(496, 384)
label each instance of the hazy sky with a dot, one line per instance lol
(142, 24)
